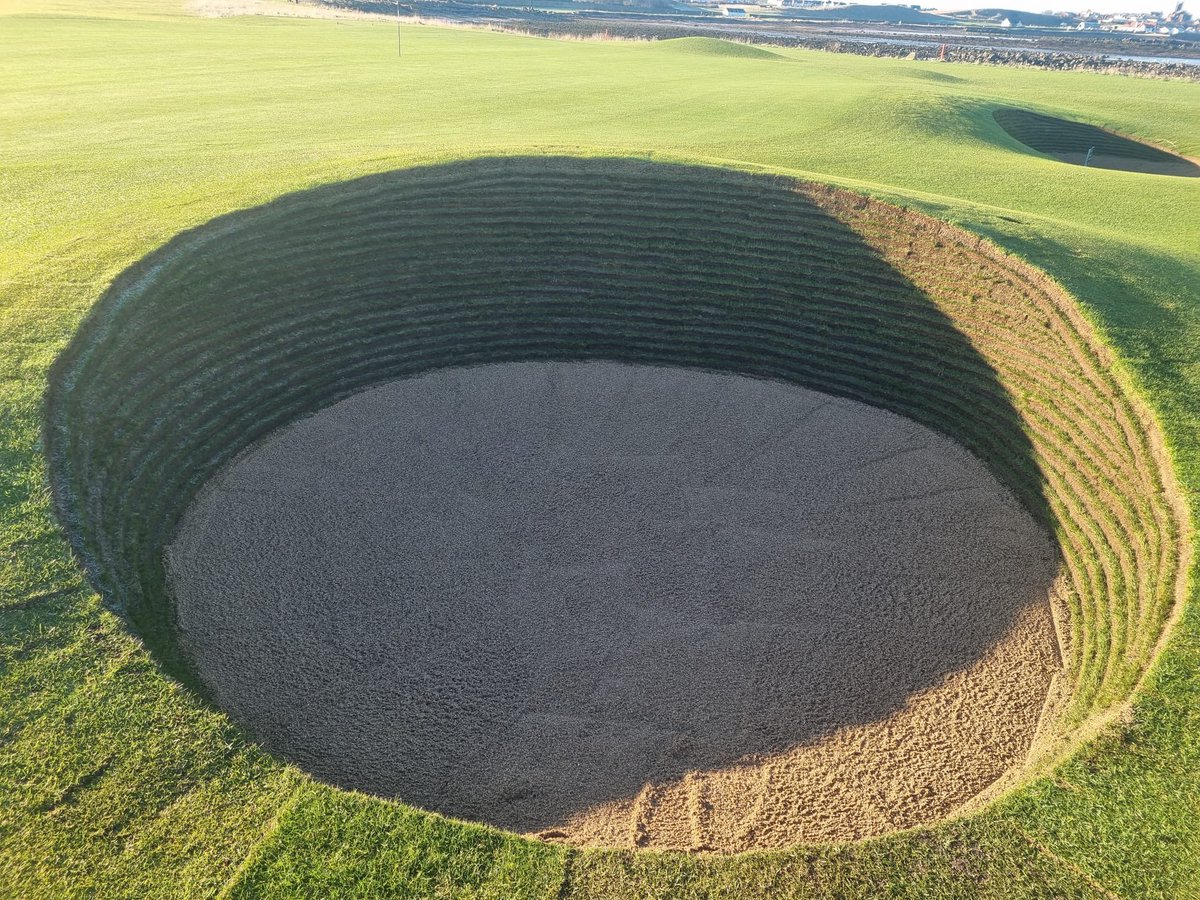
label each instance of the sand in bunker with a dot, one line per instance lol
(624, 605)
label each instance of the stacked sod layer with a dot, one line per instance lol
(262, 317)
(1083, 144)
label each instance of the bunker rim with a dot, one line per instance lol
(137, 422)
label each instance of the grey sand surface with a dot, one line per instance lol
(624, 606)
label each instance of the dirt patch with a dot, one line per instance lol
(624, 605)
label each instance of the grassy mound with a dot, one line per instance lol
(262, 317)
(706, 46)
(1071, 141)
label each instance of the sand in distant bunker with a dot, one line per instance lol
(624, 605)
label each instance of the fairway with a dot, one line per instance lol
(273, 296)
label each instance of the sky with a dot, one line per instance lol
(1100, 6)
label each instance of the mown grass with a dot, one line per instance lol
(124, 130)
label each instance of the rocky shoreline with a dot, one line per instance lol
(636, 27)
(1036, 59)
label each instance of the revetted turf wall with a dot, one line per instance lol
(263, 316)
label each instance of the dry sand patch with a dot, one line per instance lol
(624, 605)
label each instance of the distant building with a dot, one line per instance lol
(736, 12)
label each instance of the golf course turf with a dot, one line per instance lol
(116, 777)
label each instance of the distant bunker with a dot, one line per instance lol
(621, 504)
(1086, 145)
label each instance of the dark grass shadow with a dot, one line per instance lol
(264, 316)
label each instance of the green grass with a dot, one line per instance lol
(124, 130)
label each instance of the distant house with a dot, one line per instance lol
(736, 12)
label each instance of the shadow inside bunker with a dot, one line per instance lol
(1081, 144)
(584, 311)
